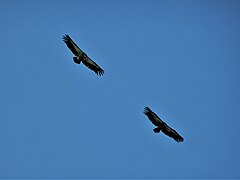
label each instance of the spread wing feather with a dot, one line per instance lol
(92, 65)
(171, 133)
(72, 46)
(152, 116)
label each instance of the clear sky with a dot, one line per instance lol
(61, 120)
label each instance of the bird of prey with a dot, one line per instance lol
(81, 56)
(161, 125)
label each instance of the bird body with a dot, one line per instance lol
(161, 125)
(81, 56)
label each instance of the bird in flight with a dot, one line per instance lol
(161, 125)
(82, 56)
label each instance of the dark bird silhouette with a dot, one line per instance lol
(82, 56)
(161, 125)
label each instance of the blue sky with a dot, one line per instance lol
(61, 120)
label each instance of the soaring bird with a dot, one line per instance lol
(82, 56)
(161, 125)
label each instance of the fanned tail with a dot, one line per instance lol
(157, 130)
(76, 60)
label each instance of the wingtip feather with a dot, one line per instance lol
(100, 72)
(179, 139)
(66, 38)
(146, 110)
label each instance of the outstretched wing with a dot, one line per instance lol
(152, 116)
(92, 65)
(171, 133)
(72, 46)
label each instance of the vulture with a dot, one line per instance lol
(161, 125)
(82, 56)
